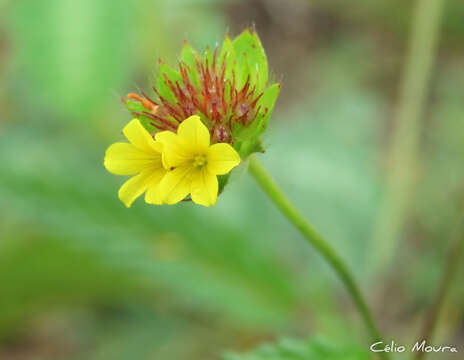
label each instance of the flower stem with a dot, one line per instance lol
(446, 282)
(404, 151)
(272, 190)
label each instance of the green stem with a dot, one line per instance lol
(446, 282)
(403, 155)
(272, 190)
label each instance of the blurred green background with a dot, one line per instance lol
(82, 277)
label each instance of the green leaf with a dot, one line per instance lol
(52, 270)
(251, 59)
(190, 57)
(258, 61)
(313, 349)
(227, 54)
(248, 137)
(247, 141)
(242, 66)
(208, 55)
(267, 103)
(161, 83)
(189, 54)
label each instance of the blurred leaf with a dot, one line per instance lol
(313, 349)
(137, 332)
(38, 272)
(72, 55)
(330, 154)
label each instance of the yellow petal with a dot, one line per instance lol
(175, 185)
(222, 158)
(134, 187)
(174, 154)
(165, 137)
(193, 134)
(140, 137)
(152, 196)
(204, 188)
(126, 159)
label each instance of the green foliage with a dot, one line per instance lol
(267, 103)
(244, 274)
(186, 283)
(250, 60)
(215, 276)
(246, 67)
(70, 52)
(227, 55)
(238, 273)
(243, 56)
(31, 272)
(189, 57)
(165, 74)
(312, 349)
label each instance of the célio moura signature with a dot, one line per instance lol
(419, 346)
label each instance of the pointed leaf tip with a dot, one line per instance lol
(255, 61)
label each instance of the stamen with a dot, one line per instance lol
(199, 160)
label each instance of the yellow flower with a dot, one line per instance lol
(193, 163)
(140, 157)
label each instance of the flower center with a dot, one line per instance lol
(199, 160)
